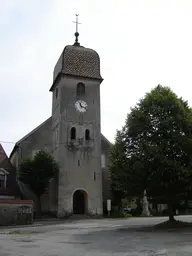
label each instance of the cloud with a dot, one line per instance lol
(141, 43)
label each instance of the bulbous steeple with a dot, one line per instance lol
(77, 61)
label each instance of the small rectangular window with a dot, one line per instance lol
(78, 162)
(2, 181)
(94, 177)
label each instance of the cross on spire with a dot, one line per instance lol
(76, 22)
(76, 33)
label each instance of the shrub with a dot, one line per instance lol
(128, 215)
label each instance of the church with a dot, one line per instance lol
(73, 136)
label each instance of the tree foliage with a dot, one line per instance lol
(156, 146)
(118, 167)
(37, 172)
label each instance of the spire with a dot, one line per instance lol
(76, 33)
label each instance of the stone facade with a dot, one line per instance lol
(16, 212)
(39, 138)
(82, 158)
(83, 162)
(106, 184)
(35, 141)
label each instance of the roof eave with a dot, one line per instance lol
(100, 79)
(26, 136)
(13, 150)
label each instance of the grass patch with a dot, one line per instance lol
(147, 216)
(21, 232)
(113, 216)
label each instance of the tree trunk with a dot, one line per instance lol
(119, 205)
(186, 205)
(170, 212)
(38, 206)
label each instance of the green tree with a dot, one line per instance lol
(117, 167)
(37, 172)
(157, 144)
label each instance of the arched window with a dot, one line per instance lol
(73, 133)
(87, 134)
(80, 89)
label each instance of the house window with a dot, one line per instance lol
(56, 93)
(2, 181)
(3, 178)
(80, 89)
(73, 133)
(87, 134)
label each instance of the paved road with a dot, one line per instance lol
(96, 238)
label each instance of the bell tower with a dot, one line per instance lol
(76, 130)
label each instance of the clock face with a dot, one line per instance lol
(81, 106)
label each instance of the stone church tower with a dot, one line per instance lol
(72, 135)
(76, 130)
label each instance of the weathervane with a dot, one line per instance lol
(76, 33)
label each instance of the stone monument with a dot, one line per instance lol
(145, 211)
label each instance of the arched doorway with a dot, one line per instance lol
(80, 202)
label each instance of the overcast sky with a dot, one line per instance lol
(141, 43)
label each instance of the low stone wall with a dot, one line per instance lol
(16, 212)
